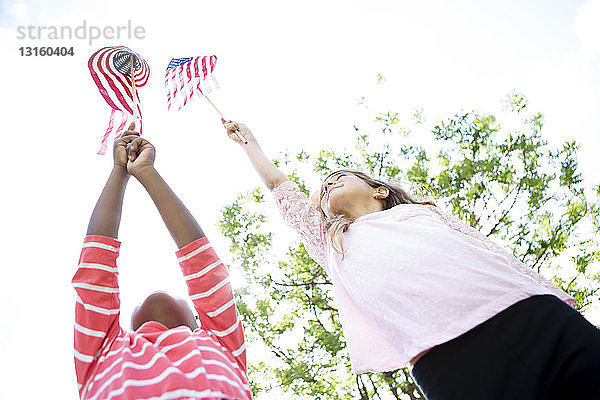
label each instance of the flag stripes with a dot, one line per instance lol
(187, 76)
(115, 88)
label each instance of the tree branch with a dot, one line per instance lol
(543, 253)
(311, 283)
(412, 386)
(493, 230)
(508, 195)
(394, 390)
(374, 387)
(361, 388)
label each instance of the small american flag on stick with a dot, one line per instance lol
(117, 71)
(186, 76)
(191, 75)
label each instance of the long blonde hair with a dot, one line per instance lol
(338, 224)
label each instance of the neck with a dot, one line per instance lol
(363, 209)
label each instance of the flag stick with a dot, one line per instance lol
(237, 133)
(133, 96)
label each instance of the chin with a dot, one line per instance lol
(163, 308)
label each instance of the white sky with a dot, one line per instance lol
(292, 72)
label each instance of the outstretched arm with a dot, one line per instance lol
(106, 217)
(298, 211)
(179, 221)
(206, 276)
(271, 176)
(95, 282)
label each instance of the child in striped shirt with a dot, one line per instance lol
(166, 355)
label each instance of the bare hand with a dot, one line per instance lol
(235, 130)
(119, 148)
(141, 156)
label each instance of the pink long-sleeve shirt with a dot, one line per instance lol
(155, 362)
(412, 277)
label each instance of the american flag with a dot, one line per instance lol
(186, 76)
(111, 71)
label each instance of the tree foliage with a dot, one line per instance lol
(503, 180)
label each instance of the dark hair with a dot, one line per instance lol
(338, 224)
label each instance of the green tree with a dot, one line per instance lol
(504, 181)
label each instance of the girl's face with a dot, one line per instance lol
(344, 193)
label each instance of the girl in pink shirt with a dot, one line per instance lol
(418, 287)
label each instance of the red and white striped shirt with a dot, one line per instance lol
(155, 362)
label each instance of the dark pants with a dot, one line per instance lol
(538, 348)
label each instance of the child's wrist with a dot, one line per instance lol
(251, 148)
(120, 171)
(145, 173)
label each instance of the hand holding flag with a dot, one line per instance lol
(120, 153)
(238, 132)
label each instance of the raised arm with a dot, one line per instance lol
(271, 176)
(297, 210)
(95, 282)
(106, 217)
(206, 276)
(179, 221)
